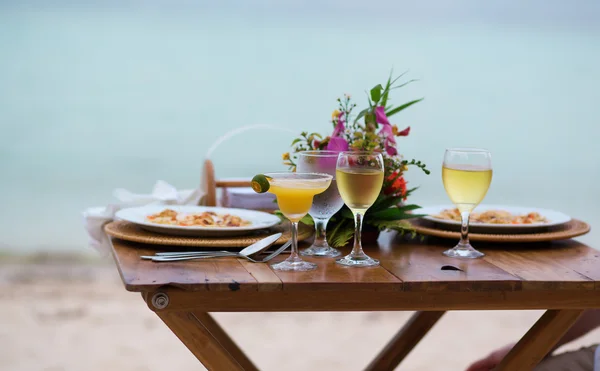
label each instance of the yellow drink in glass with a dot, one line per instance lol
(359, 187)
(466, 186)
(295, 198)
(295, 192)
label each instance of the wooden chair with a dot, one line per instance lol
(211, 184)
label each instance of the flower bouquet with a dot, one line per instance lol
(370, 130)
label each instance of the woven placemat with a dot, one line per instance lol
(571, 229)
(131, 232)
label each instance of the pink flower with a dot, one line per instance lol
(387, 133)
(337, 144)
(339, 127)
(380, 116)
(404, 132)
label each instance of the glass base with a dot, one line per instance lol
(294, 264)
(465, 251)
(358, 261)
(321, 251)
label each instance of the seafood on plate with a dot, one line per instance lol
(494, 217)
(203, 219)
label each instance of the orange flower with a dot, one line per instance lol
(398, 186)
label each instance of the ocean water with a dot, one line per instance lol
(100, 95)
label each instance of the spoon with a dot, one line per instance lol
(254, 249)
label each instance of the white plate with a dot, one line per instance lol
(259, 220)
(553, 217)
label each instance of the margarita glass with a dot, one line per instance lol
(294, 193)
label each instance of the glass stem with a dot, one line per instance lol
(294, 253)
(320, 232)
(357, 250)
(464, 228)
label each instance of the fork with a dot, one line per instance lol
(203, 256)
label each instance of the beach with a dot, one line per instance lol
(65, 313)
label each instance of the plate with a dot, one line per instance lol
(554, 217)
(137, 215)
(508, 238)
(127, 231)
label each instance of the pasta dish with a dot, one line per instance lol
(494, 217)
(205, 219)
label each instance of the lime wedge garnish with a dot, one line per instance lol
(260, 183)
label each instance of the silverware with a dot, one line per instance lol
(195, 253)
(252, 250)
(182, 258)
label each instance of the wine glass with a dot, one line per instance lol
(467, 174)
(325, 204)
(294, 192)
(359, 178)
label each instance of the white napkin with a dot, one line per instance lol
(163, 193)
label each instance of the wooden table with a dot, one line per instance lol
(562, 277)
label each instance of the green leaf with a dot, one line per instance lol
(406, 83)
(409, 207)
(400, 108)
(370, 118)
(346, 213)
(378, 201)
(376, 93)
(296, 141)
(399, 77)
(387, 202)
(361, 114)
(279, 214)
(389, 86)
(397, 225)
(411, 190)
(308, 220)
(340, 234)
(386, 91)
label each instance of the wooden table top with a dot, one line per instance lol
(405, 266)
(563, 277)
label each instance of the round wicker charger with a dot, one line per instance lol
(565, 231)
(131, 232)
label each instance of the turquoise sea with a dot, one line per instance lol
(106, 94)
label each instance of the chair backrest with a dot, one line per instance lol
(210, 184)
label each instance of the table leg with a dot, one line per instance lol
(206, 340)
(539, 340)
(404, 341)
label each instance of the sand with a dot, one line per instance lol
(67, 315)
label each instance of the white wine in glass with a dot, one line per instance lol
(359, 187)
(359, 178)
(467, 174)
